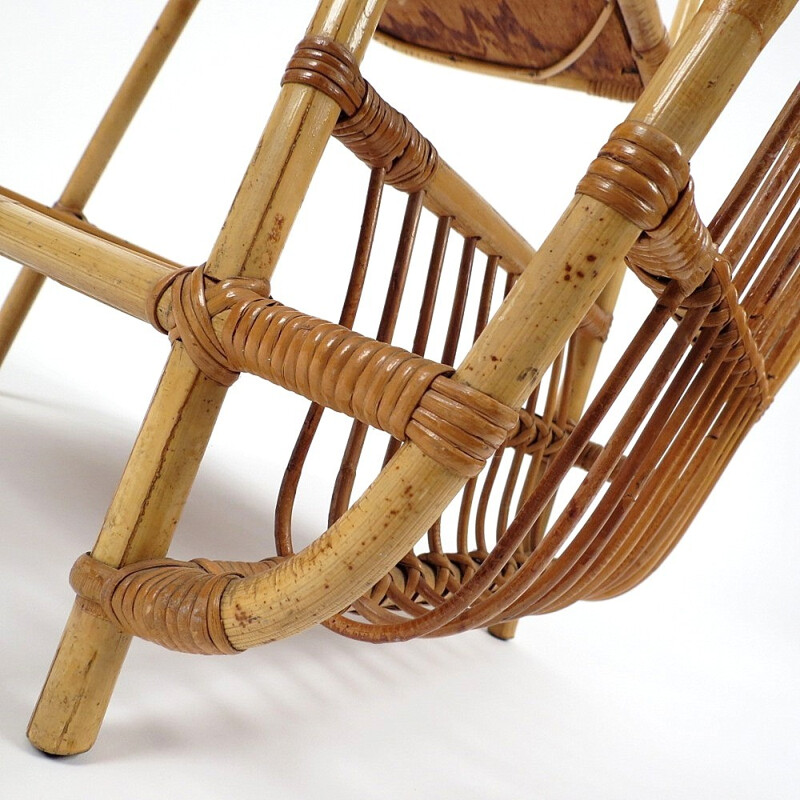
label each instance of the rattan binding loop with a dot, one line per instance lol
(680, 248)
(639, 172)
(173, 603)
(377, 133)
(389, 388)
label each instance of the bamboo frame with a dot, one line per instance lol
(311, 586)
(99, 151)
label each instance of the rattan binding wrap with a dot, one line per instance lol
(377, 133)
(389, 388)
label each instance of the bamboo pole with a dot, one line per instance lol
(685, 10)
(165, 457)
(276, 180)
(683, 101)
(98, 152)
(449, 195)
(139, 524)
(78, 258)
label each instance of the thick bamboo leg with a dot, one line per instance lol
(98, 153)
(138, 525)
(167, 453)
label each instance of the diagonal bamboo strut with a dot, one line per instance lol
(98, 153)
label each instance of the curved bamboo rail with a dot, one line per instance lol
(711, 59)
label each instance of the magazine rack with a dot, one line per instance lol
(514, 418)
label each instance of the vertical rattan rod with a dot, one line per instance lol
(158, 478)
(291, 478)
(452, 338)
(345, 477)
(481, 318)
(101, 147)
(427, 304)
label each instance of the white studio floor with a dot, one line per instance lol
(684, 688)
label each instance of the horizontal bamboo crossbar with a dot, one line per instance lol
(76, 256)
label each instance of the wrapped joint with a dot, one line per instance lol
(379, 384)
(377, 133)
(172, 603)
(735, 334)
(597, 322)
(679, 249)
(460, 427)
(534, 434)
(639, 173)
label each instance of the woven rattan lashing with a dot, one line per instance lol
(380, 385)
(370, 127)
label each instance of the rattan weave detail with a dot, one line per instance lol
(377, 133)
(386, 387)
(639, 172)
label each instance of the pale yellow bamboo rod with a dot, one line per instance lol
(138, 525)
(98, 152)
(508, 359)
(145, 508)
(649, 37)
(82, 225)
(449, 195)
(287, 154)
(79, 259)
(125, 104)
(15, 307)
(643, 21)
(684, 12)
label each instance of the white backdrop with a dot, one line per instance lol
(684, 688)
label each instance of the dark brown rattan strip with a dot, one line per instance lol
(294, 468)
(377, 133)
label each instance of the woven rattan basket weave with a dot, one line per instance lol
(491, 496)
